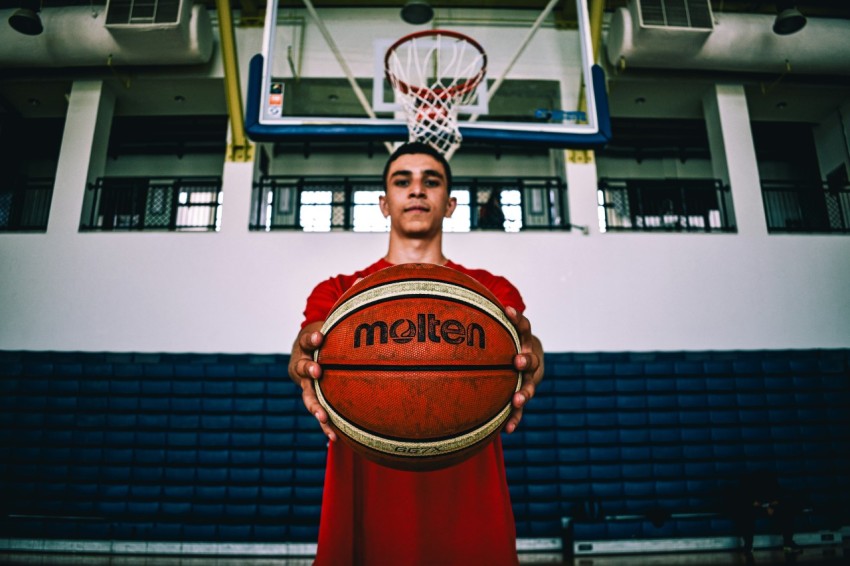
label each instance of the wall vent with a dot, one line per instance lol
(142, 12)
(693, 14)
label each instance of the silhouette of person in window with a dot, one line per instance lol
(490, 215)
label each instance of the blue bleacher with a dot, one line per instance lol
(206, 447)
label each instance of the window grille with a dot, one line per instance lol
(791, 206)
(186, 204)
(25, 206)
(678, 205)
(324, 204)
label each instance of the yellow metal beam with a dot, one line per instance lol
(596, 16)
(240, 148)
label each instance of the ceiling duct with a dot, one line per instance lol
(169, 32)
(638, 37)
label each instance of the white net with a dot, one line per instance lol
(433, 73)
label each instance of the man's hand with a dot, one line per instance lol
(529, 361)
(303, 370)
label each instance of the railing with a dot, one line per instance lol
(25, 207)
(322, 204)
(671, 205)
(153, 203)
(806, 207)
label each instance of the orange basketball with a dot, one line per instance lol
(417, 366)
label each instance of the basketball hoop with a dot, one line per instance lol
(433, 72)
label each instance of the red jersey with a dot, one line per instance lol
(374, 515)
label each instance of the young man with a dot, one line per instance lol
(376, 515)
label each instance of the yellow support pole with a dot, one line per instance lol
(596, 15)
(240, 148)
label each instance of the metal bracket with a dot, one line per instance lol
(240, 153)
(580, 156)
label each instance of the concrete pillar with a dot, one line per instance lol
(581, 189)
(82, 157)
(236, 181)
(733, 155)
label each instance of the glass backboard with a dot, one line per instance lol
(555, 55)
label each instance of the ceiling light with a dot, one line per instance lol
(788, 19)
(417, 12)
(25, 19)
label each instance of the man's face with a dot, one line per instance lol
(417, 198)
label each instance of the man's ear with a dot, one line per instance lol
(451, 205)
(384, 206)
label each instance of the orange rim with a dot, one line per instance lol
(441, 94)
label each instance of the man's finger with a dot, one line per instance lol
(311, 402)
(309, 341)
(308, 368)
(513, 421)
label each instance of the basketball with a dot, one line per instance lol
(417, 366)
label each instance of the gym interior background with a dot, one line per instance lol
(689, 280)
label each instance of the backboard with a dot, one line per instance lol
(503, 112)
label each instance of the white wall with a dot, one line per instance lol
(163, 165)
(654, 168)
(154, 292)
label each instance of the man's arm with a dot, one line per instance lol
(529, 361)
(303, 370)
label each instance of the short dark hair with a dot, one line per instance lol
(415, 148)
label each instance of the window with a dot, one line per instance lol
(25, 206)
(323, 204)
(190, 204)
(29, 153)
(797, 206)
(682, 205)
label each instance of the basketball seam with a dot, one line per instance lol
(419, 367)
(400, 447)
(390, 439)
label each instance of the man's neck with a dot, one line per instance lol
(408, 250)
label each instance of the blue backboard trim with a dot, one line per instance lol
(291, 132)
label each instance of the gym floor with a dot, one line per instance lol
(832, 555)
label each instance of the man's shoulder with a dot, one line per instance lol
(345, 280)
(366, 271)
(476, 273)
(500, 286)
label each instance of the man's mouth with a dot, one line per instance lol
(416, 209)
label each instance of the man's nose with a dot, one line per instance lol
(417, 188)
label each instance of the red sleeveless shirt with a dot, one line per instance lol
(374, 515)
